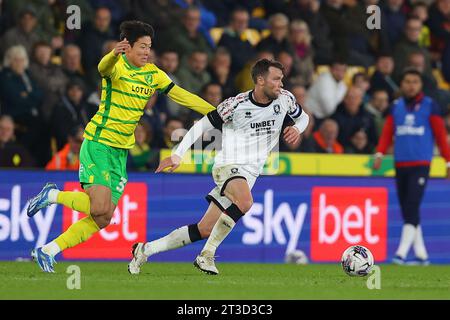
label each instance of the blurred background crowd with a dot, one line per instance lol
(344, 74)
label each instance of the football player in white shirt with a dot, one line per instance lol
(251, 124)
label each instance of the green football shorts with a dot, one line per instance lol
(104, 165)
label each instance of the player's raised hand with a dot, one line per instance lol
(121, 47)
(291, 135)
(377, 163)
(172, 162)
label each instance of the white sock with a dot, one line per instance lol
(419, 245)
(53, 195)
(51, 248)
(221, 229)
(176, 239)
(406, 240)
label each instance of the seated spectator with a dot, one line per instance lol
(309, 11)
(327, 91)
(241, 50)
(48, 76)
(173, 132)
(361, 81)
(91, 42)
(420, 10)
(304, 54)
(220, 71)
(187, 38)
(378, 107)
(21, 98)
(12, 154)
(278, 40)
(382, 78)
(24, 33)
(325, 139)
(439, 23)
(351, 115)
(194, 75)
(207, 17)
(142, 157)
(212, 93)
(409, 44)
(71, 63)
(168, 62)
(291, 73)
(68, 158)
(393, 20)
(71, 112)
(359, 144)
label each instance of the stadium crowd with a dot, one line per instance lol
(344, 74)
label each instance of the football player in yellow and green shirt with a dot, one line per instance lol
(128, 81)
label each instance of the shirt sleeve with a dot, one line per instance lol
(163, 81)
(107, 66)
(226, 109)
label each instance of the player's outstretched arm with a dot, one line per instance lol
(190, 100)
(197, 130)
(108, 62)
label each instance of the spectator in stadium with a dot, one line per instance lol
(220, 71)
(232, 39)
(327, 91)
(72, 111)
(20, 97)
(325, 139)
(187, 38)
(415, 121)
(193, 76)
(212, 93)
(91, 42)
(173, 132)
(359, 144)
(420, 10)
(142, 157)
(24, 33)
(409, 44)
(48, 76)
(277, 40)
(439, 23)
(309, 11)
(169, 61)
(300, 39)
(382, 77)
(393, 22)
(71, 63)
(361, 81)
(207, 17)
(446, 62)
(161, 14)
(68, 158)
(12, 154)
(351, 115)
(378, 107)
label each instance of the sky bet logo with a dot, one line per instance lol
(345, 216)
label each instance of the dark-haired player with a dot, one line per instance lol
(251, 124)
(128, 82)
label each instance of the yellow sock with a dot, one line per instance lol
(78, 201)
(77, 233)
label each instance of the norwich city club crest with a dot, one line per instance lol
(148, 78)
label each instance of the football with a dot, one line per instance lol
(357, 261)
(296, 257)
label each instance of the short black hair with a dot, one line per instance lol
(409, 71)
(261, 68)
(133, 30)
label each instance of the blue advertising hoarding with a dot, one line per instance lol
(289, 212)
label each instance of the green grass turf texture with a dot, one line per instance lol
(237, 281)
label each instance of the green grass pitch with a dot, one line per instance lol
(110, 280)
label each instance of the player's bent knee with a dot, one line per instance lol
(245, 204)
(102, 221)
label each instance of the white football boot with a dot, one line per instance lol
(205, 262)
(139, 258)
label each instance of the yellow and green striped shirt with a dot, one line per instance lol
(125, 92)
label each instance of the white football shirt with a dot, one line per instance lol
(250, 130)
